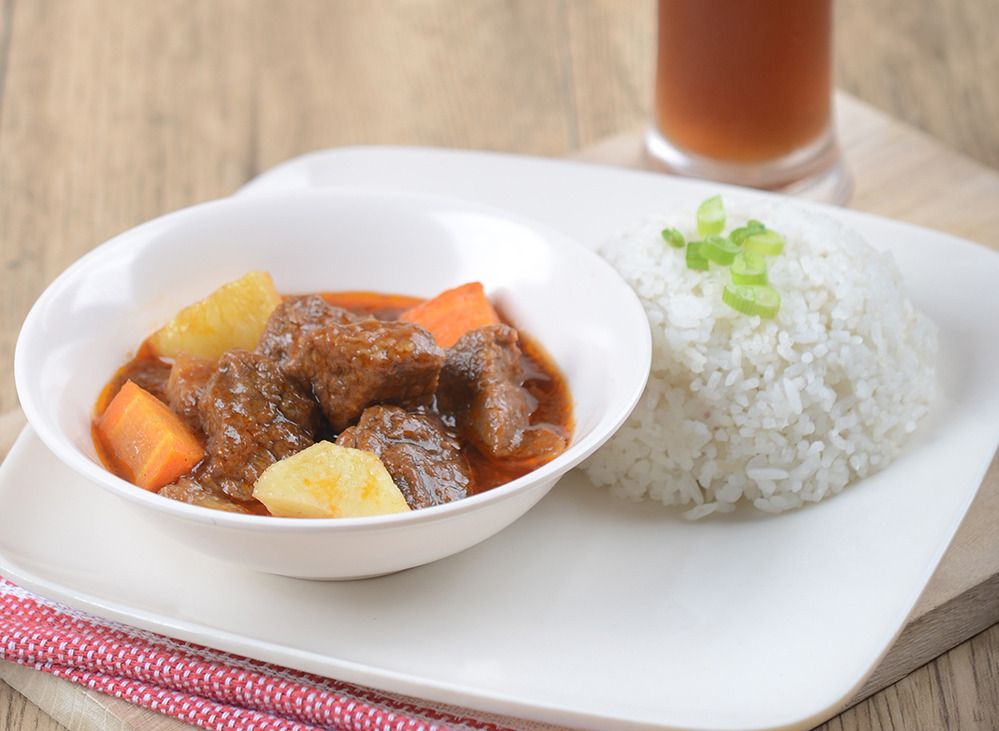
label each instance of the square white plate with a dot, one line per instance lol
(589, 611)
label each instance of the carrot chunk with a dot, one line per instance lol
(149, 442)
(453, 313)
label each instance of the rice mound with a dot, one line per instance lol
(778, 413)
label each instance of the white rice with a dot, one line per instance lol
(777, 413)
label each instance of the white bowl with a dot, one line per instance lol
(93, 316)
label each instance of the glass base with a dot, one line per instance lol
(815, 172)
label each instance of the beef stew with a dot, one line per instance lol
(351, 372)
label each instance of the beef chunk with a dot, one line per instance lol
(253, 416)
(208, 495)
(188, 378)
(295, 317)
(351, 367)
(423, 457)
(481, 385)
(148, 374)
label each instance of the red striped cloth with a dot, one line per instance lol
(198, 685)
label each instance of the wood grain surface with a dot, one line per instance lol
(114, 112)
(932, 64)
(18, 713)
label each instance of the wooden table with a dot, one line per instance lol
(112, 113)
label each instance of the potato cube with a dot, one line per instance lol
(329, 481)
(233, 316)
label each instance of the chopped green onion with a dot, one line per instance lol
(752, 299)
(752, 227)
(695, 257)
(768, 243)
(711, 216)
(743, 250)
(673, 237)
(749, 268)
(719, 250)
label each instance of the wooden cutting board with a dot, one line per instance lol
(897, 172)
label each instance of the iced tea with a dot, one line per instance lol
(743, 81)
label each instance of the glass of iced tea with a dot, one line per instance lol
(744, 95)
